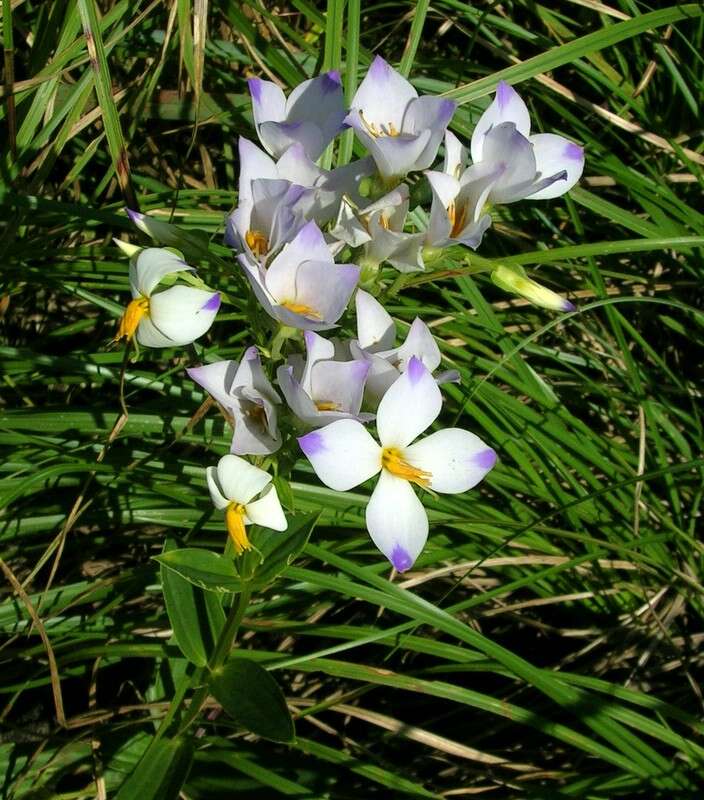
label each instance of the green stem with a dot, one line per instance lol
(220, 653)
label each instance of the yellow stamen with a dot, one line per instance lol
(456, 220)
(131, 318)
(257, 243)
(234, 519)
(300, 308)
(392, 461)
(384, 222)
(379, 130)
(327, 405)
(257, 414)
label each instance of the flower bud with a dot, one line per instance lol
(515, 280)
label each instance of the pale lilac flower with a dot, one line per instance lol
(376, 334)
(401, 131)
(233, 485)
(176, 316)
(379, 229)
(312, 115)
(536, 167)
(457, 210)
(245, 392)
(450, 461)
(270, 208)
(324, 390)
(303, 287)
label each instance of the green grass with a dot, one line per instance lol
(548, 641)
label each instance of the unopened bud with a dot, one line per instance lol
(516, 281)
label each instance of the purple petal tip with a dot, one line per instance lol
(400, 559)
(312, 443)
(416, 369)
(332, 81)
(251, 353)
(486, 459)
(379, 68)
(134, 216)
(574, 152)
(213, 303)
(567, 306)
(255, 89)
(503, 94)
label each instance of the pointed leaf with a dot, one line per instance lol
(161, 772)
(203, 568)
(249, 694)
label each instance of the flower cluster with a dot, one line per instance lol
(306, 238)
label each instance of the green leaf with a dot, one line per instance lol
(252, 698)
(202, 568)
(196, 616)
(279, 550)
(161, 771)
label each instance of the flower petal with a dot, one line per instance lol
(151, 265)
(277, 137)
(239, 480)
(219, 500)
(340, 384)
(428, 113)
(343, 454)
(254, 164)
(455, 155)
(394, 156)
(319, 101)
(396, 521)
(410, 406)
(216, 379)
(267, 511)
(375, 327)
(317, 349)
(456, 459)
(506, 149)
(553, 154)
(420, 343)
(507, 107)
(383, 95)
(178, 316)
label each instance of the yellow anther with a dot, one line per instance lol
(257, 243)
(379, 130)
(457, 221)
(131, 318)
(301, 308)
(234, 519)
(327, 405)
(391, 460)
(384, 222)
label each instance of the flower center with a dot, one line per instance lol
(257, 243)
(379, 130)
(456, 220)
(327, 405)
(131, 318)
(392, 461)
(234, 519)
(257, 414)
(301, 308)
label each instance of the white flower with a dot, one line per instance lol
(176, 316)
(450, 461)
(233, 485)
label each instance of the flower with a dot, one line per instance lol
(233, 484)
(519, 165)
(401, 130)
(303, 287)
(376, 334)
(311, 116)
(325, 390)
(244, 391)
(456, 213)
(270, 210)
(176, 316)
(449, 461)
(515, 280)
(379, 227)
